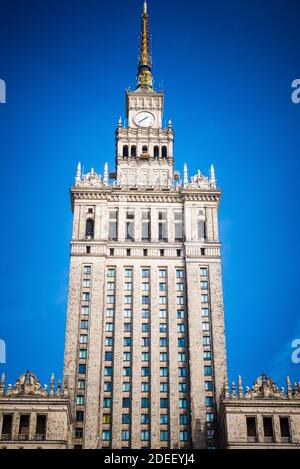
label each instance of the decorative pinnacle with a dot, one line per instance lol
(144, 78)
(213, 177)
(105, 178)
(145, 7)
(78, 174)
(186, 176)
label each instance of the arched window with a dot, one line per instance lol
(125, 151)
(145, 149)
(133, 151)
(165, 152)
(156, 152)
(89, 232)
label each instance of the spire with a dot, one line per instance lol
(2, 384)
(213, 177)
(145, 79)
(105, 179)
(186, 176)
(240, 387)
(78, 173)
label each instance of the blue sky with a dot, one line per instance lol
(226, 68)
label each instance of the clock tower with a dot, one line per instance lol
(144, 148)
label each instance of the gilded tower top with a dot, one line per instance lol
(144, 78)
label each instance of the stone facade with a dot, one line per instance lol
(31, 417)
(263, 417)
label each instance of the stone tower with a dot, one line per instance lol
(145, 346)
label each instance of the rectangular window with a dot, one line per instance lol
(145, 403)
(109, 341)
(126, 403)
(164, 419)
(125, 435)
(145, 435)
(205, 312)
(180, 314)
(106, 435)
(183, 403)
(84, 324)
(78, 433)
(178, 226)
(209, 386)
(180, 328)
(79, 416)
(145, 419)
(145, 357)
(163, 342)
(206, 341)
(163, 403)
(163, 387)
(86, 283)
(128, 300)
(268, 428)
(145, 387)
(127, 313)
(204, 272)
(126, 387)
(85, 310)
(145, 300)
(126, 371)
(163, 314)
(83, 353)
(163, 371)
(182, 387)
(204, 285)
(145, 273)
(207, 355)
(209, 401)
(113, 225)
(83, 339)
(107, 386)
(251, 429)
(111, 273)
(107, 403)
(146, 225)
(128, 273)
(126, 357)
(210, 417)
(201, 230)
(162, 300)
(7, 427)
(181, 342)
(163, 328)
(129, 227)
(183, 419)
(145, 371)
(182, 373)
(80, 400)
(181, 357)
(127, 327)
(204, 298)
(164, 436)
(180, 300)
(87, 270)
(145, 341)
(163, 273)
(110, 313)
(81, 384)
(145, 287)
(110, 299)
(180, 287)
(285, 428)
(109, 327)
(85, 296)
(126, 419)
(106, 419)
(208, 371)
(108, 371)
(163, 357)
(145, 327)
(162, 226)
(128, 286)
(183, 436)
(206, 326)
(162, 287)
(24, 425)
(127, 341)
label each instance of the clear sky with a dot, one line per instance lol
(226, 68)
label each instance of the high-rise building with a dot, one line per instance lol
(145, 344)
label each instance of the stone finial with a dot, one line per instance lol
(78, 174)
(170, 124)
(288, 387)
(65, 390)
(233, 389)
(295, 392)
(213, 181)
(120, 122)
(105, 178)
(2, 384)
(52, 385)
(58, 390)
(185, 177)
(226, 390)
(240, 387)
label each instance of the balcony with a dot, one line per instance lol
(6, 437)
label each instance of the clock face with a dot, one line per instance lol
(145, 119)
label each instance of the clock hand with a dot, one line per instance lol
(143, 119)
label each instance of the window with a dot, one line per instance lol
(183, 419)
(179, 274)
(206, 341)
(128, 273)
(209, 386)
(145, 313)
(145, 371)
(207, 355)
(7, 427)
(88, 249)
(181, 357)
(145, 273)
(210, 433)
(163, 371)
(183, 436)
(204, 298)
(126, 387)
(127, 327)
(164, 436)
(126, 419)
(163, 357)
(87, 270)
(178, 226)
(268, 428)
(183, 403)
(180, 287)
(80, 400)
(163, 342)
(145, 419)
(127, 313)
(145, 357)
(182, 387)
(111, 273)
(180, 314)
(181, 342)
(145, 149)
(204, 285)
(162, 252)
(126, 356)
(209, 401)
(109, 327)
(128, 286)
(83, 353)
(125, 151)
(162, 273)
(83, 339)
(182, 372)
(79, 416)
(106, 419)
(106, 435)
(133, 151)
(156, 152)
(162, 226)
(82, 369)
(145, 300)
(81, 384)
(201, 230)
(86, 283)
(110, 313)
(163, 328)
(145, 286)
(285, 428)
(125, 435)
(85, 296)
(89, 231)
(163, 387)
(126, 403)
(109, 341)
(128, 300)
(163, 314)
(203, 272)
(206, 326)
(145, 341)
(78, 433)
(126, 371)
(110, 300)
(113, 225)
(208, 371)
(108, 371)
(162, 287)
(127, 341)
(164, 419)
(145, 403)
(107, 386)
(180, 300)
(108, 356)
(146, 225)
(163, 403)
(205, 312)
(210, 417)
(107, 402)
(145, 435)
(251, 429)
(145, 387)
(164, 152)
(85, 310)
(130, 225)
(84, 324)
(145, 327)
(163, 300)
(180, 328)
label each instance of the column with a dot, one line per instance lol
(155, 364)
(209, 224)
(170, 221)
(98, 211)
(76, 216)
(121, 227)
(32, 426)
(136, 361)
(216, 224)
(138, 225)
(154, 225)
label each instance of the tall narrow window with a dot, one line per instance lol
(89, 232)
(6, 427)
(162, 226)
(40, 431)
(130, 225)
(156, 152)
(251, 429)
(146, 227)
(113, 225)
(268, 428)
(24, 427)
(145, 149)
(133, 151)
(201, 226)
(178, 226)
(285, 428)
(164, 152)
(125, 151)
